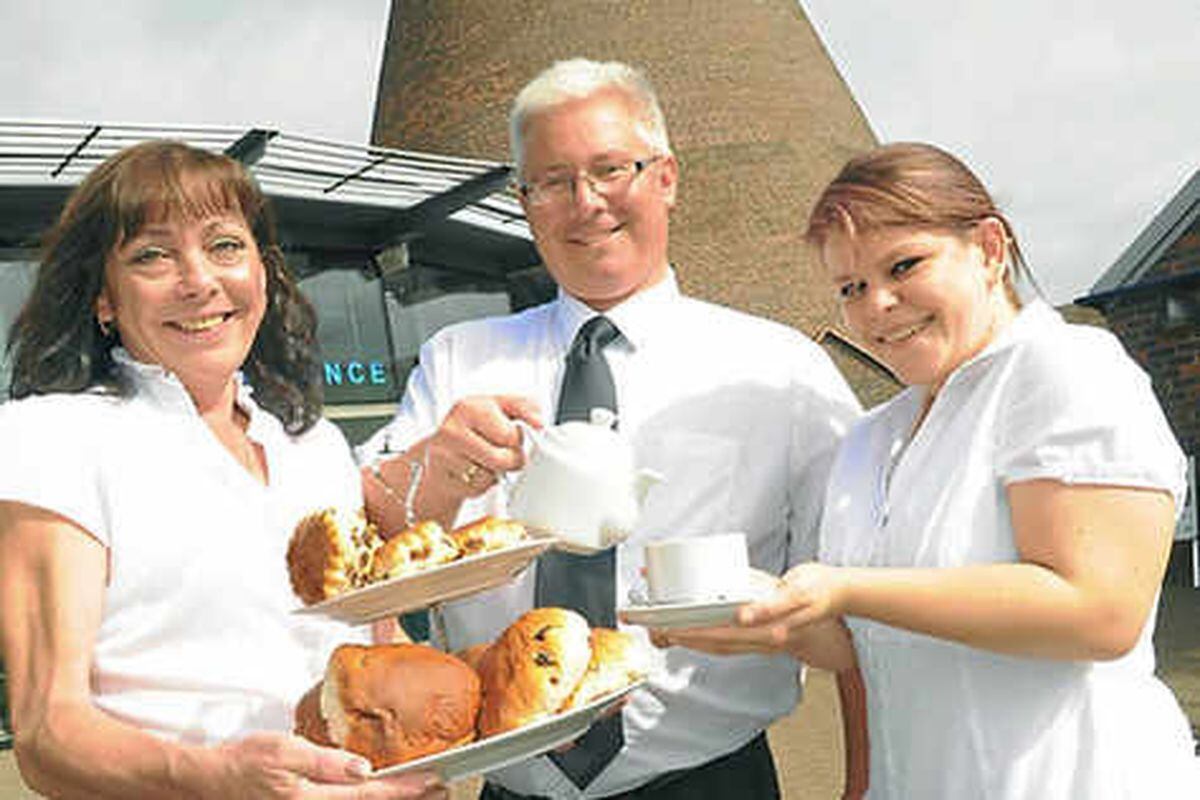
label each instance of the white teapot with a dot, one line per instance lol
(580, 484)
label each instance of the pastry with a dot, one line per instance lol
(617, 661)
(328, 553)
(396, 702)
(487, 534)
(422, 546)
(532, 668)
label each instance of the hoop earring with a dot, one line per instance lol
(105, 326)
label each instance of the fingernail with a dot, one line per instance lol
(358, 768)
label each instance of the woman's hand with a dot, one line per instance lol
(808, 593)
(275, 765)
(795, 616)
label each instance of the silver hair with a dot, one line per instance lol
(580, 78)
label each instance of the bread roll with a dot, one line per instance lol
(422, 546)
(487, 534)
(309, 722)
(328, 553)
(532, 668)
(393, 703)
(473, 655)
(618, 660)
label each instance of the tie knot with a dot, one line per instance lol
(596, 334)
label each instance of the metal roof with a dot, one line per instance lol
(394, 194)
(1168, 224)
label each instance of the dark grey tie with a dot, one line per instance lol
(587, 380)
(585, 583)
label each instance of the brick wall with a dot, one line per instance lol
(1169, 352)
(1172, 357)
(1183, 256)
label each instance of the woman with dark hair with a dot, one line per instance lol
(164, 439)
(996, 535)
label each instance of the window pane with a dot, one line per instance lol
(16, 281)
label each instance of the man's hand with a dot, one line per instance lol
(273, 765)
(476, 443)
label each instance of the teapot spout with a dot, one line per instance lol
(644, 480)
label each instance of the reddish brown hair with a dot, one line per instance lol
(56, 344)
(908, 184)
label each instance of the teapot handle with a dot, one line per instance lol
(530, 438)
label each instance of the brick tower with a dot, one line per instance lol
(758, 116)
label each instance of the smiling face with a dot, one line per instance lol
(187, 295)
(922, 301)
(599, 250)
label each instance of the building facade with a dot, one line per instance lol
(1150, 298)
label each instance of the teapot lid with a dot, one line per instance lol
(593, 445)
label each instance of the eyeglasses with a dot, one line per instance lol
(607, 180)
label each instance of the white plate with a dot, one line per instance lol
(438, 584)
(682, 615)
(510, 747)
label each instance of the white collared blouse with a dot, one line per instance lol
(198, 640)
(1044, 400)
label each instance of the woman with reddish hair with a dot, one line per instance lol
(995, 536)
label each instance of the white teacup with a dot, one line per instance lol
(698, 569)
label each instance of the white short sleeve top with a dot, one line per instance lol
(198, 641)
(1044, 400)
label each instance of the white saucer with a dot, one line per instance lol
(682, 615)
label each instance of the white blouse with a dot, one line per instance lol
(198, 641)
(1045, 400)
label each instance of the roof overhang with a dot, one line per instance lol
(1180, 212)
(349, 200)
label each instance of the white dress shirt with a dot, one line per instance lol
(1046, 400)
(741, 415)
(198, 641)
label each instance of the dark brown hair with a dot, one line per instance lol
(56, 344)
(909, 184)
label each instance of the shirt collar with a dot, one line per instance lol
(164, 388)
(636, 317)
(1035, 320)
(1031, 322)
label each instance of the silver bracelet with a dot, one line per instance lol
(416, 470)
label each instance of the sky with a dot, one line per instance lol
(303, 66)
(1080, 116)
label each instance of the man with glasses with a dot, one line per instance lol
(740, 414)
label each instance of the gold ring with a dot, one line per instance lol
(468, 474)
